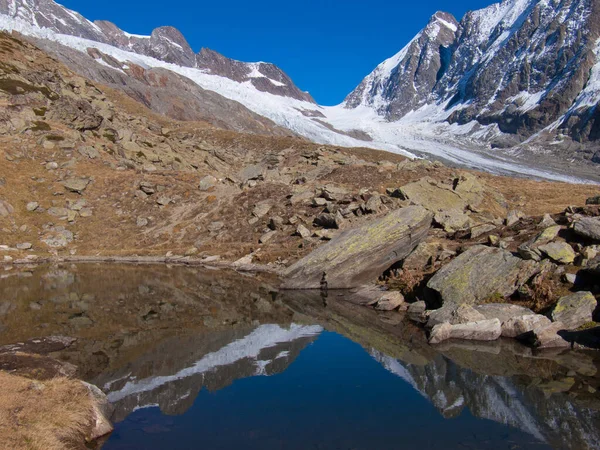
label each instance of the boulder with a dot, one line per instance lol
(519, 325)
(303, 232)
(545, 336)
(267, 237)
(454, 315)
(477, 275)
(262, 208)
(254, 172)
(575, 310)
(77, 185)
(485, 330)
(588, 227)
(502, 311)
(432, 196)
(593, 200)
(479, 230)
(329, 221)
(422, 256)
(360, 255)
(101, 411)
(559, 252)
(207, 183)
(514, 217)
(452, 220)
(389, 301)
(530, 249)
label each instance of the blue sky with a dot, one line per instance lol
(326, 46)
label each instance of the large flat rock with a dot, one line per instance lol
(360, 255)
(478, 275)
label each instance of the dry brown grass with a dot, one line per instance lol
(50, 415)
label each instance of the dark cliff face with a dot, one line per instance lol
(165, 43)
(405, 81)
(520, 64)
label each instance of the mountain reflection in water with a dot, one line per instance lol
(210, 359)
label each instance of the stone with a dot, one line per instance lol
(547, 222)
(32, 206)
(77, 185)
(303, 232)
(530, 250)
(51, 165)
(262, 208)
(373, 205)
(588, 227)
(329, 221)
(275, 223)
(6, 208)
(207, 182)
(333, 193)
(479, 230)
(429, 194)
(389, 301)
(89, 152)
(593, 200)
(421, 257)
(163, 200)
(452, 220)
(513, 217)
(216, 226)
(141, 222)
(545, 336)
(575, 310)
(360, 255)
(502, 311)
(325, 235)
(267, 237)
(253, 172)
(147, 187)
(559, 252)
(86, 212)
(57, 238)
(477, 275)
(24, 246)
(101, 411)
(485, 330)
(319, 202)
(61, 213)
(454, 315)
(517, 326)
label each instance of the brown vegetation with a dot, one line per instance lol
(43, 415)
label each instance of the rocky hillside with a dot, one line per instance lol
(547, 53)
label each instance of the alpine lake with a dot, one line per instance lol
(199, 358)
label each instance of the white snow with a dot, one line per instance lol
(263, 337)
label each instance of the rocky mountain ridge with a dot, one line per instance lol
(523, 67)
(165, 43)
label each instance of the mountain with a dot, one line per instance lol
(511, 89)
(520, 66)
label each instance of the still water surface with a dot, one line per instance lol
(205, 359)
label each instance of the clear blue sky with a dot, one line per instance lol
(326, 46)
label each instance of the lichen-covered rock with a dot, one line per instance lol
(432, 196)
(477, 275)
(421, 257)
(360, 255)
(389, 301)
(531, 250)
(452, 220)
(575, 310)
(588, 227)
(101, 412)
(559, 252)
(485, 330)
(6, 209)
